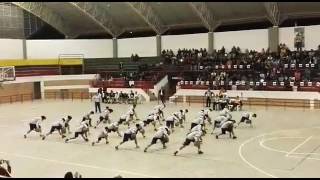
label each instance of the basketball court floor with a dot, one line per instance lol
(283, 143)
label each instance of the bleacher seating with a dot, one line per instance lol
(36, 71)
(112, 64)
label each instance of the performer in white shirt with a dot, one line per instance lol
(194, 137)
(153, 119)
(67, 124)
(217, 122)
(35, 125)
(171, 120)
(87, 118)
(82, 130)
(162, 134)
(102, 135)
(57, 126)
(130, 135)
(247, 118)
(227, 126)
(105, 118)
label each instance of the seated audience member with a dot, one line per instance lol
(5, 168)
(71, 175)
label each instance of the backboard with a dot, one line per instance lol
(7, 73)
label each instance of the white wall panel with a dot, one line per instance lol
(187, 41)
(312, 37)
(11, 49)
(37, 49)
(286, 36)
(250, 39)
(144, 47)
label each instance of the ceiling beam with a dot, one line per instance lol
(149, 16)
(273, 13)
(40, 10)
(205, 14)
(100, 16)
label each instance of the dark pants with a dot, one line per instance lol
(97, 106)
(208, 102)
(162, 99)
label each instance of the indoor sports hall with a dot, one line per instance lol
(160, 89)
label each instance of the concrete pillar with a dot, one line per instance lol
(273, 38)
(24, 48)
(42, 89)
(115, 47)
(158, 41)
(210, 42)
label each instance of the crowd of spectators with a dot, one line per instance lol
(119, 98)
(264, 65)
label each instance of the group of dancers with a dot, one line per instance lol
(163, 126)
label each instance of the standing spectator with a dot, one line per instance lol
(162, 96)
(120, 66)
(298, 41)
(97, 100)
(208, 95)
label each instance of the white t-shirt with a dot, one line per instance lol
(81, 128)
(160, 133)
(58, 123)
(97, 98)
(196, 128)
(132, 130)
(171, 118)
(194, 135)
(225, 124)
(36, 121)
(159, 107)
(248, 115)
(113, 125)
(220, 118)
(198, 120)
(103, 133)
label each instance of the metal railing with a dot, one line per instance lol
(256, 102)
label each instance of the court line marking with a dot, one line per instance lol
(78, 164)
(247, 162)
(240, 150)
(262, 144)
(298, 146)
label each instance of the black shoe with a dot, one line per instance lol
(25, 136)
(200, 152)
(43, 137)
(145, 150)
(217, 137)
(66, 140)
(117, 148)
(234, 137)
(175, 153)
